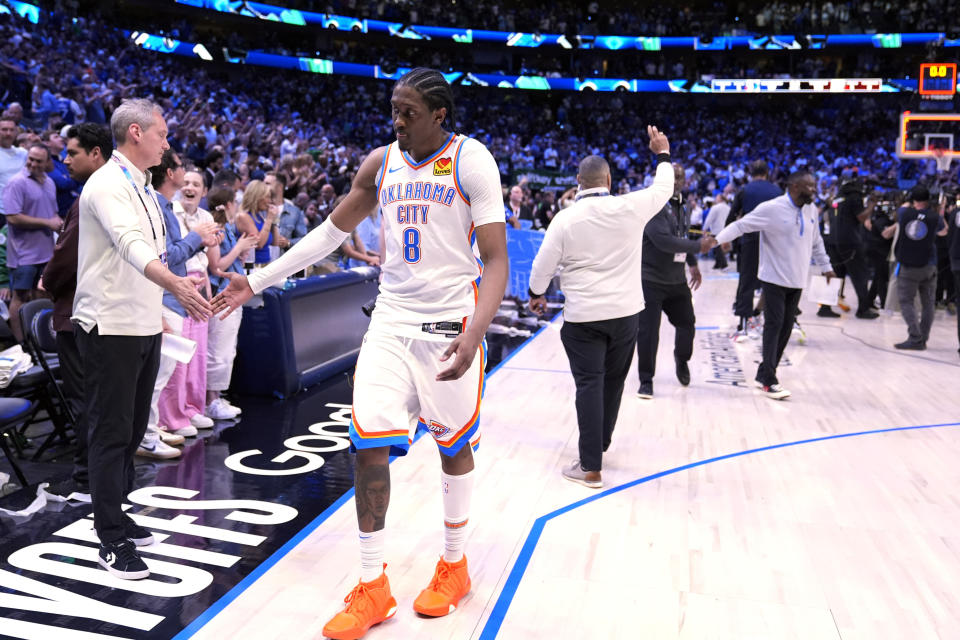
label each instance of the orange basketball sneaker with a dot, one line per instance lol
(368, 604)
(450, 583)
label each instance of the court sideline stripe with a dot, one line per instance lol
(211, 612)
(497, 616)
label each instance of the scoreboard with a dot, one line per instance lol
(938, 79)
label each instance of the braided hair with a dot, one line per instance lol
(433, 88)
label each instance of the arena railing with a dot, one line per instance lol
(167, 45)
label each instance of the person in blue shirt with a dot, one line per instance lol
(758, 190)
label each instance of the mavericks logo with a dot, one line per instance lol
(443, 167)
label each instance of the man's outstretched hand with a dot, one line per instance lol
(233, 297)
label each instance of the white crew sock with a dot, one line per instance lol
(371, 555)
(457, 491)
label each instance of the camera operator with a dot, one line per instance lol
(945, 294)
(952, 216)
(878, 248)
(848, 254)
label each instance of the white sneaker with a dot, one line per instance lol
(188, 431)
(172, 439)
(219, 409)
(158, 450)
(230, 406)
(201, 421)
(776, 392)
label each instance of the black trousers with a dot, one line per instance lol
(675, 301)
(599, 354)
(956, 288)
(851, 260)
(120, 372)
(881, 277)
(748, 261)
(71, 370)
(779, 314)
(719, 258)
(945, 289)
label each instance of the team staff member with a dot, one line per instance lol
(598, 240)
(121, 275)
(789, 236)
(423, 354)
(758, 190)
(665, 249)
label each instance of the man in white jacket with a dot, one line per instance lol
(598, 242)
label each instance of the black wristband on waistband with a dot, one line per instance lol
(663, 157)
(532, 294)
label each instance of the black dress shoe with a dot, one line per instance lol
(827, 312)
(646, 390)
(683, 372)
(910, 345)
(868, 314)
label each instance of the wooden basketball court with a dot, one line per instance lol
(724, 514)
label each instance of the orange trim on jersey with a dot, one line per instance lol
(476, 411)
(370, 435)
(456, 174)
(383, 170)
(432, 157)
(474, 443)
(476, 293)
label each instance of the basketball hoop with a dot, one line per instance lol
(943, 160)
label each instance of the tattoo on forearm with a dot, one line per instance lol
(372, 495)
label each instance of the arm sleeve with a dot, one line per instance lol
(547, 260)
(115, 212)
(313, 247)
(478, 178)
(60, 274)
(735, 208)
(820, 256)
(12, 199)
(658, 232)
(756, 220)
(179, 251)
(648, 202)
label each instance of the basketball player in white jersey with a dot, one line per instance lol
(423, 357)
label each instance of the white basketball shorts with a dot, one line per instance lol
(395, 391)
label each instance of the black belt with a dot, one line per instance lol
(449, 329)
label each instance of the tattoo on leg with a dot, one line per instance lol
(372, 495)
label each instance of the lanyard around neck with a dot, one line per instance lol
(156, 241)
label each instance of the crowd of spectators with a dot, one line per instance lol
(313, 133)
(621, 18)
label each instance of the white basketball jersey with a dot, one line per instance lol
(430, 270)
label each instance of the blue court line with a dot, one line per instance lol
(712, 328)
(262, 568)
(499, 613)
(277, 555)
